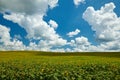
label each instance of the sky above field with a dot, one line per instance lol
(60, 25)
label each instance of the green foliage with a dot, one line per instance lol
(39, 66)
(58, 72)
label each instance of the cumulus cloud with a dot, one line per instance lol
(106, 25)
(78, 2)
(45, 44)
(43, 36)
(38, 29)
(30, 17)
(27, 6)
(52, 3)
(15, 45)
(53, 24)
(4, 35)
(104, 22)
(80, 44)
(6, 43)
(110, 46)
(34, 25)
(17, 36)
(73, 33)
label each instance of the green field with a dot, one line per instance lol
(33, 65)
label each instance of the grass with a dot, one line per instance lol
(35, 65)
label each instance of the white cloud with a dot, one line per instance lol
(104, 22)
(53, 3)
(78, 2)
(110, 46)
(38, 29)
(30, 17)
(5, 40)
(106, 25)
(81, 40)
(81, 44)
(4, 35)
(34, 25)
(53, 24)
(32, 7)
(15, 45)
(45, 45)
(73, 33)
(17, 37)
(58, 50)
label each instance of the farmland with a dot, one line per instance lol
(35, 65)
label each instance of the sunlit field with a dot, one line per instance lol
(33, 65)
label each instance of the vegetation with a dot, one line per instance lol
(33, 65)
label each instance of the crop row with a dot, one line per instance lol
(38, 71)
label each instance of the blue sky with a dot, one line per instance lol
(60, 25)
